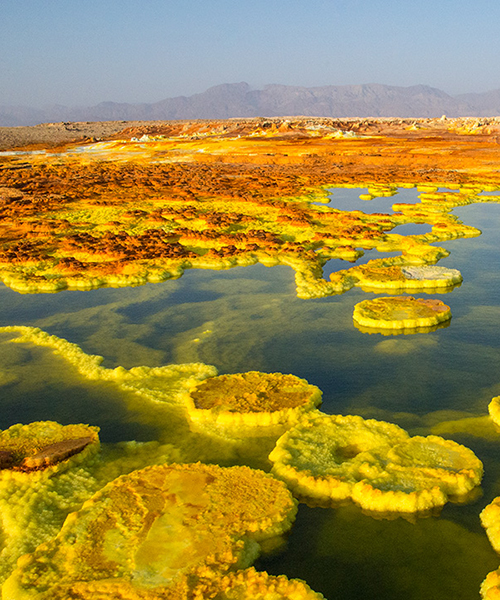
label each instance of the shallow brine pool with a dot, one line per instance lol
(250, 319)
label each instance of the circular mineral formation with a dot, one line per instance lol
(252, 398)
(376, 464)
(158, 526)
(412, 278)
(401, 312)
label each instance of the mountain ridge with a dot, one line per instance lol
(232, 100)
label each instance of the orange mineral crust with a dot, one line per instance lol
(150, 201)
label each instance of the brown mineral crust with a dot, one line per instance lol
(6, 459)
(23, 251)
(252, 176)
(54, 453)
(151, 244)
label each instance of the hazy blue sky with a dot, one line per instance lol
(81, 52)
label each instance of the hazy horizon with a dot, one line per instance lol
(107, 100)
(81, 54)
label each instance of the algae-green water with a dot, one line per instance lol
(250, 319)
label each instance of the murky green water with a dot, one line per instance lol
(250, 319)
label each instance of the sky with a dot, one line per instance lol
(82, 52)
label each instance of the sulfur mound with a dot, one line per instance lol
(376, 464)
(43, 476)
(157, 526)
(247, 584)
(252, 398)
(414, 278)
(401, 312)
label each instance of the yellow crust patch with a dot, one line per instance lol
(377, 276)
(494, 410)
(490, 520)
(490, 588)
(252, 585)
(401, 312)
(253, 398)
(247, 584)
(376, 464)
(35, 499)
(158, 525)
(146, 208)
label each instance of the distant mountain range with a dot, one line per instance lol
(240, 100)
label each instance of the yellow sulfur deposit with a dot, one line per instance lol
(490, 588)
(374, 463)
(252, 398)
(144, 209)
(157, 526)
(401, 312)
(382, 275)
(169, 384)
(252, 585)
(43, 476)
(494, 409)
(490, 520)
(246, 584)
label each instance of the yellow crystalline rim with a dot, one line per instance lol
(253, 585)
(401, 312)
(325, 456)
(494, 410)
(158, 525)
(376, 464)
(374, 499)
(490, 588)
(490, 520)
(252, 398)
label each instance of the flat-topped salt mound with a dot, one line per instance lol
(252, 398)
(157, 526)
(376, 464)
(401, 312)
(414, 278)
